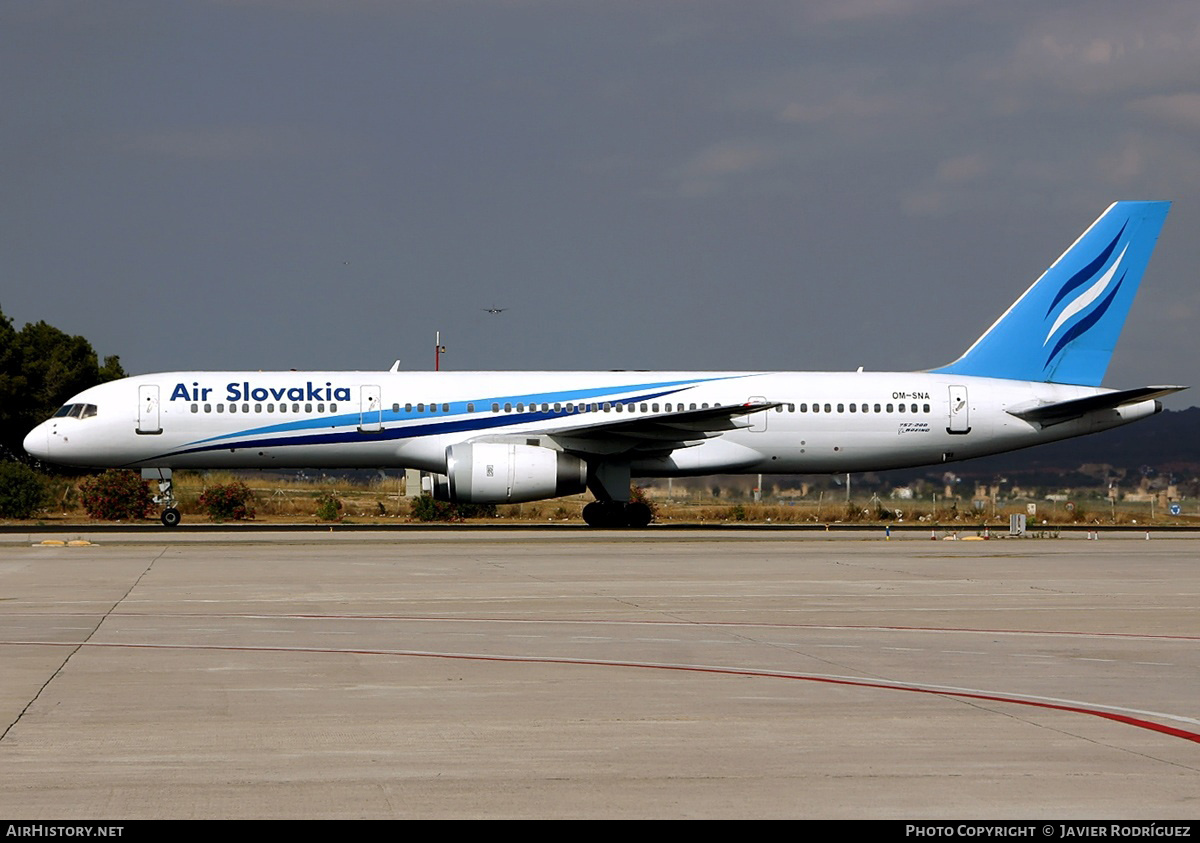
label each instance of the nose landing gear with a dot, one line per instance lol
(166, 495)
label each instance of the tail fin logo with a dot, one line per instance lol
(1063, 329)
(1078, 314)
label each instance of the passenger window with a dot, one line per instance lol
(470, 406)
(220, 408)
(445, 408)
(841, 408)
(508, 408)
(853, 408)
(395, 408)
(308, 408)
(270, 408)
(804, 408)
(320, 408)
(195, 408)
(877, 408)
(495, 408)
(890, 408)
(828, 409)
(258, 408)
(925, 408)
(295, 408)
(208, 408)
(520, 407)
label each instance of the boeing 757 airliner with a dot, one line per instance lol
(507, 437)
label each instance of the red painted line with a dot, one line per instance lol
(1129, 720)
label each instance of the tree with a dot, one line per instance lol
(41, 367)
(21, 490)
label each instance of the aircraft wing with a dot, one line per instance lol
(659, 433)
(1061, 411)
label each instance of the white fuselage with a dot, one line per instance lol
(862, 421)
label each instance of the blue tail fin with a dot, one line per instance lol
(1064, 328)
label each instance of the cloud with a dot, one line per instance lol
(1178, 110)
(713, 169)
(1110, 48)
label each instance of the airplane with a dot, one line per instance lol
(509, 437)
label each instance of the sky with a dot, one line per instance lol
(641, 184)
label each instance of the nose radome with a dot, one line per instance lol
(37, 442)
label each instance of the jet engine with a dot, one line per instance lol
(495, 472)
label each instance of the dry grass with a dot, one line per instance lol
(293, 499)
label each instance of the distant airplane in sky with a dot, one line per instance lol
(507, 437)
(495, 309)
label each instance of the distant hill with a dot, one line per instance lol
(1167, 442)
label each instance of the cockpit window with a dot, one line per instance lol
(76, 411)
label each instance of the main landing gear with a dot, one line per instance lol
(616, 514)
(608, 480)
(166, 495)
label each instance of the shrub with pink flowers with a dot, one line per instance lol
(228, 502)
(117, 495)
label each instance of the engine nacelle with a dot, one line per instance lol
(494, 472)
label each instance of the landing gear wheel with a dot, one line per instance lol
(615, 514)
(605, 514)
(637, 515)
(171, 517)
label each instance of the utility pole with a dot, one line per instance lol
(438, 351)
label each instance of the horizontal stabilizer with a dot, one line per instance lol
(1050, 414)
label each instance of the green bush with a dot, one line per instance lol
(425, 508)
(22, 492)
(228, 502)
(328, 507)
(116, 495)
